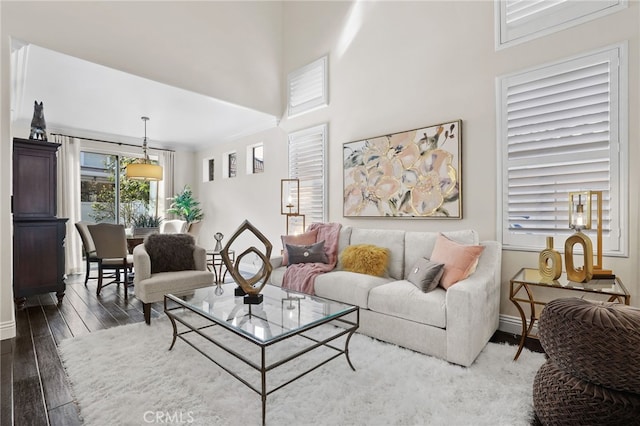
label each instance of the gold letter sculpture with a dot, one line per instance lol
(248, 287)
(584, 274)
(550, 262)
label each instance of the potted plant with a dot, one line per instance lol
(185, 206)
(144, 224)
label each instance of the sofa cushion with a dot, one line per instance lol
(365, 259)
(347, 287)
(312, 253)
(404, 300)
(170, 252)
(425, 274)
(343, 242)
(299, 240)
(387, 238)
(420, 244)
(459, 259)
(153, 289)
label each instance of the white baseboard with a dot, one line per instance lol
(7, 330)
(513, 325)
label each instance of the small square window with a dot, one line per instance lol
(255, 159)
(229, 164)
(208, 170)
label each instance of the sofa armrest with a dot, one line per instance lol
(276, 261)
(473, 307)
(141, 264)
(200, 258)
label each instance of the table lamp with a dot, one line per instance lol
(290, 200)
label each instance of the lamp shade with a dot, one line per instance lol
(144, 171)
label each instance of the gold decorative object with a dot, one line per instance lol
(550, 262)
(580, 217)
(250, 288)
(584, 274)
(579, 220)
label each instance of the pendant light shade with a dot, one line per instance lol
(144, 170)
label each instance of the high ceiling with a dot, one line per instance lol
(89, 100)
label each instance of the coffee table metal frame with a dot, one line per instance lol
(263, 368)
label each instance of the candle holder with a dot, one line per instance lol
(290, 202)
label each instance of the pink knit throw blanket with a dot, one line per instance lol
(302, 276)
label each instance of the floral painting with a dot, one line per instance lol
(415, 174)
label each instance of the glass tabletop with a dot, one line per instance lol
(611, 286)
(281, 313)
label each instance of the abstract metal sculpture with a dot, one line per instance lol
(249, 288)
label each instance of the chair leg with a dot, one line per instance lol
(86, 278)
(146, 308)
(99, 280)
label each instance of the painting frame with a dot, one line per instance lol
(414, 174)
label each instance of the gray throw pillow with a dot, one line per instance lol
(313, 253)
(426, 274)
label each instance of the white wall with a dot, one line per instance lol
(254, 197)
(412, 64)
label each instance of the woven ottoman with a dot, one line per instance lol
(592, 375)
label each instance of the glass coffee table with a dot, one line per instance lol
(215, 313)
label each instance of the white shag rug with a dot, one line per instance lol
(127, 376)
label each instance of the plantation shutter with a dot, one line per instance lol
(525, 19)
(307, 162)
(307, 87)
(560, 134)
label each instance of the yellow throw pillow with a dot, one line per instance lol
(365, 259)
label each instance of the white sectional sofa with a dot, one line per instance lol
(453, 324)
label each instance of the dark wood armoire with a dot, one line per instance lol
(38, 235)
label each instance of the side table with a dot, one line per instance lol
(216, 265)
(523, 284)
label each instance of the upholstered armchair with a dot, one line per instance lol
(168, 263)
(174, 226)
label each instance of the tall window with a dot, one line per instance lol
(106, 195)
(561, 129)
(522, 20)
(307, 162)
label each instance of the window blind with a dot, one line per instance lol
(522, 20)
(307, 87)
(560, 134)
(307, 162)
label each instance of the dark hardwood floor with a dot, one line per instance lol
(34, 386)
(35, 390)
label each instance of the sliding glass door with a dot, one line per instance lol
(108, 196)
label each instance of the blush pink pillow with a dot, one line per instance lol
(305, 239)
(459, 260)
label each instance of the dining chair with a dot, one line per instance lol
(88, 247)
(110, 241)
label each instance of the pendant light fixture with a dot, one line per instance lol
(144, 170)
